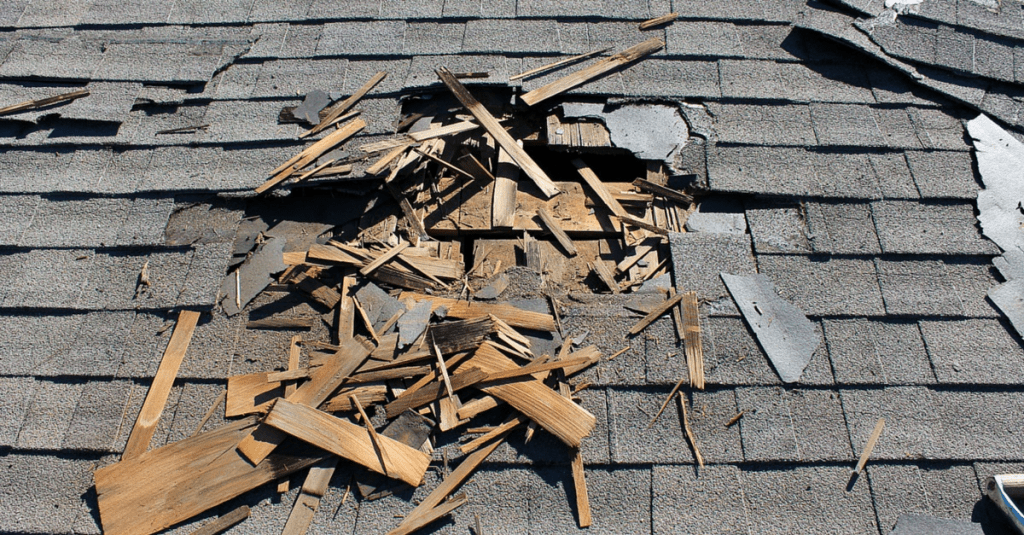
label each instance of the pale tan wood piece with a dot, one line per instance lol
(383, 145)
(506, 184)
(870, 446)
(335, 111)
(434, 375)
(694, 345)
(511, 315)
(531, 369)
(628, 262)
(341, 402)
(508, 425)
(250, 394)
(689, 431)
(346, 310)
(325, 380)
(429, 393)
(332, 254)
(605, 275)
(288, 375)
(499, 134)
(403, 372)
(582, 76)
(578, 475)
(381, 451)
(383, 259)
(479, 405)
(450, 483)
(380, 165)
(311, 153)
(294, 355)
(167, 485)
(441, 131)
(442, 367)
(153, 407)
(210, 412)
(556, 230)
(557, 64)
(308, 502)
(39, 103)
(668, 399)
(658, 21)
(349, 441)
(430, 516)
(224, 522)
(629, 220)
(366, 320)
(564, 419)
(655, 314)
(598, 188)
(677, 319)
(443, 163)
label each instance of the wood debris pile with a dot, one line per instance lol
(416, 338)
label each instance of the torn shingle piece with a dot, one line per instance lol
(910, 524)
(785, 334)
(242, 285)
(1009, 299)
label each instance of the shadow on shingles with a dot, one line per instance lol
(992, 520)
(81, 128)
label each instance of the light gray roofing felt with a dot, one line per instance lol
(837, 129)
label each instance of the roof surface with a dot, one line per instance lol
(842, 141)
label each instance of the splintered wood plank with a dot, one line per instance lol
(564, 419)
(655, 314)
(583, 76)
(556, 230)
(349, 441)
(153, 407)
(288, 375)
(658, 21)
(506, 183)
(606, 276)
(380, 165)
(533, 368)
(557, 64)
(441, 131)
(332, 254)
(39, 103)
(223, 523)
(870, 446)
(599, 189)
(250, 394)
(366, 395)
(689, 432)
(308, 502)
(383, 259)
(458, 476)
(692, 339)
(432, 515)
(325, 380)
(311, 153)
(479, 405)
(434, 392)
(168, 485)
(658, 189)
(382, 452)
(509, 424)
(516, 317)
(579, 478)
(335, 111)
(323, 294)
(499, 134)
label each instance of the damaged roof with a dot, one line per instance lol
(836, 130)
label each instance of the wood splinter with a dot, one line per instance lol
(870, 446)
(658, 21)
(689, 432)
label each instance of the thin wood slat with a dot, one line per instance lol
(430, 516)
(630, 220)
(516, 317)
(325, 380)
(311, 153)
(689, 432)
(692, 339)
(250, 394)
(557, 64)
(383, 259)
(531, 369)
(345, 105)
(658, 21)
(484, 117)
(380, 165)
(877, 432)
(605, 275)
(308, 502)
(506, 184)
(449, 485)
(658, 189)
(288, 375)
(167, 485)
(39, 103)
(404, 372)
(434, 392)
(441, 131)
(282, 323)
(655, 314)
(479, 405)
(564, 419)
(599, 188)
(349, 441)
(210, 412)
(556, 230)
(156, 398)
(443, 163)
(508, 425)
(582, 76)
(342, 401)
(224, 522)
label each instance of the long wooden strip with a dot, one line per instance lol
(224, 522)
(250, 394)
(313, 152)
(452, 482)
(349, 441)
(39, 103)
(692, 338)
(484, 117)
(478, 406)
(556, 230)
(434, 392)
(582, 76)
(629, 220)
(557, 64)
(308, 502)
(211, 411)
(342, 401)
(167, 485)
(628, 262)
(658, 21)
(689, 432)
(569, 422)
(599, 189)
(430, 516)
(511, 315)
(870, 445)
(153, 407)
(531, 369)
(668, 193)
(381, 164)
(325, 380)
(506, 184)
(605, 275)
(347, 104)
(508, 425)
(382, 452)
(403, 372)
(655, 314)
(441, 131)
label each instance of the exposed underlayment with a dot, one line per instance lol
(847, 150)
